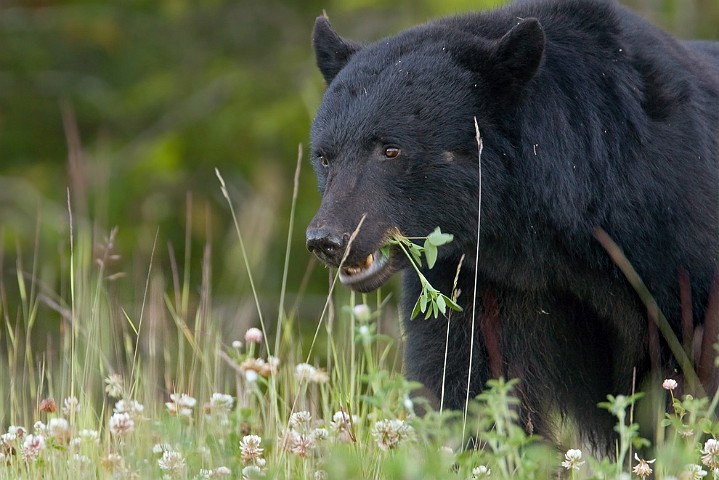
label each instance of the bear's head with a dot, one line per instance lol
(394, 144)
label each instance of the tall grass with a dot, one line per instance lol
(139, 379)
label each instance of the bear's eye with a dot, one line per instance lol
(323, 160)
(391, 152)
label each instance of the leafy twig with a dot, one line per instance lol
(431, 301)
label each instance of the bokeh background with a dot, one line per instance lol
(117, 112)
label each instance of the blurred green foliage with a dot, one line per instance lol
(127, 106)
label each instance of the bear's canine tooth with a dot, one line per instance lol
(368, 261)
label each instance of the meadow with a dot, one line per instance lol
(159, 321)
(148, 384)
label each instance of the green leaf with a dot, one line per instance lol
(452, 304)
(438, 238)
(417, 308)
(441, 305)
(430, 253)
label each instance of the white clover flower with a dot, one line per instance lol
(160, 448)
(669, 384)
(300, 420)
(70, 406)
(181, 405)
(89, 435)
(304, 372)
(237, 344)
(481, 471)
(221, 402)
(32, 447)
(710, 454)
(251, 376)
(173, 463)
(390, 434)
(693, 472)
(253, 335)
(40, 428)
(319, 434)
(121, 424)
(222, 472)
(114, 385)
(362, 312)
(131, 407)
(59, 429)
(363, 331)
(341, 425)
(573, 459)
(250, 450)
(251, 472)
(113, 462)
(642, 468)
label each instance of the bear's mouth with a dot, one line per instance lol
(371, 274)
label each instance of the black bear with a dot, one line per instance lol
(590, 118)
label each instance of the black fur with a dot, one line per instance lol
(590, 117)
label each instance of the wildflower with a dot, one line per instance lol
(251, 376)
(389, 434)
(113, 386)
(131, 407)
(364, 332)
(59, 429)
(341, 425)
(298, 444)
(304, 372)
(319, 434)
(250, 450)
(48, 405)
(13, 433)
(252, 471)
(573, 459)
(221, 403)
(642, 468)
(253, 335)
(481, 471)
(173, 463)
(113, 462)
(222, 472)
(121, 424)
(237, 344)
(669, 384)
(71, 406)
(181, 405)
(693, 472)
(361, 312)
(320, 475)
(32, 446)
(160, 448)
(259, 367)
(300, 421)
(89, 435)
(40, 428)
(710, 454)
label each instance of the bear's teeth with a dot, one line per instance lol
(368, 261)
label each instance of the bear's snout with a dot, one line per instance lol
(329, 245)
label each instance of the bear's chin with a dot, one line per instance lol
(370, 276)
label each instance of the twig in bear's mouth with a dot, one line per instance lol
(431, 301)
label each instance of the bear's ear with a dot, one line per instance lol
(516, 57)
(331, 51)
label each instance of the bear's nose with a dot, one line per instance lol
(328, 245)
